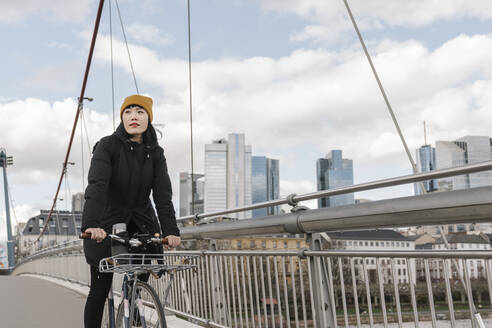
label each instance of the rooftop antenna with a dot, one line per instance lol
(425, 134)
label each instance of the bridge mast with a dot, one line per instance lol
(4, 161)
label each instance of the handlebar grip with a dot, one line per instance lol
(85, 235)
(165, 241)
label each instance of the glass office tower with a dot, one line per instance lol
(264, 184)
(426, 161)
(332, 172)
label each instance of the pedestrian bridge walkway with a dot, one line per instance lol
(41, 301)
(316, 286)
(33, 302)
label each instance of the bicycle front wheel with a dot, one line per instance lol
(147, 309)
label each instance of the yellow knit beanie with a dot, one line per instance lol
(139, 100)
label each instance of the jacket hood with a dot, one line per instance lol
(149, 136)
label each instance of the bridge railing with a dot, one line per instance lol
(316, 287)
(326, 288)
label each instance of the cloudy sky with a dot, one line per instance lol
(290, 74)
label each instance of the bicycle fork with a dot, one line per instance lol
(111, 308)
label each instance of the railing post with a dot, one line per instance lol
(322, 307)
(219, 304)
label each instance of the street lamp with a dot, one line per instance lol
(4, 162)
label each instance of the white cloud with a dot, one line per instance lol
(329, 18)
(36, 134)
(295, 108)
(18, 214)
(323, 100)
(64, 10)
(331, 93)
(144, 33)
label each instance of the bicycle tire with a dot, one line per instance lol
(153, 310)
(105, 318)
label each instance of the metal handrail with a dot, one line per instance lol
(459, 206)
(294, 199)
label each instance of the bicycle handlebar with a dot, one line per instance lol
(157, 240)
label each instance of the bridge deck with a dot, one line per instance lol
(31, 302)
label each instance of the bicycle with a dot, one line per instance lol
(140, 305)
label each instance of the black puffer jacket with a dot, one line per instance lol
(121, 176)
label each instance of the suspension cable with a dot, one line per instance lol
(82, 156)
(84, 124)
(12, 206)
(191, 116)
(112, 69)
(126, 43)
(82, 128)
(80, 105)
(410, 158)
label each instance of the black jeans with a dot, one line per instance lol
(94, 306)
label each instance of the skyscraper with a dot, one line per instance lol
(465, 150)
(426, 161)
(450, 154)
(78, 202)
(185, 189)
(228, 175)
(477, 149)
(264, 184)
(332, 172)
(215, 198)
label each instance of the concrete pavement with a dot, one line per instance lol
(31, 302)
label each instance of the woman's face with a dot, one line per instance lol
(135, 120)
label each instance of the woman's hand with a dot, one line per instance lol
(173, 241)
(97, 234)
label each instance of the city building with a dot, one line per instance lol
(78, 202)
(422, 241)
(264, 184)
(332, 172)
(188, 205)
(462, 151)
(465, 150)
(63, 226)
(450, 154)
(376, 240)
(459, 241)
(228, 175)
(426, 161)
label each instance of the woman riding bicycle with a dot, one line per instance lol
(125, 167)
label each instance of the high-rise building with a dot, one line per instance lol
(477, 149)
(264, 184)
(466, 150)
(426, 161)
(228, 175)
(188, 205)
(78, 202)
(332, 172)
